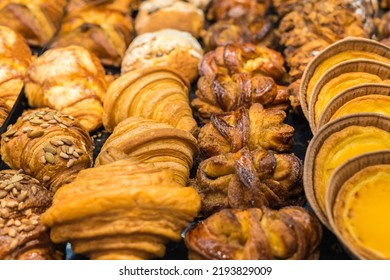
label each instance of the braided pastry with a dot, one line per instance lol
(256, 234)
(47, 145)
(223, 93)
(22, 236)
(255, 128)
(4, 111)
(249, 179)
(70, 80)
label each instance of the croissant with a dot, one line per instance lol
(124, 6)
(122, 210)
(22, 236)
(70, 80)
(37, 21)
(290, 233)
(249, 179)
(255, 128)
(49, 146)
(4, 111)
(152, 142)
(154, 93)
(15, 57)
(223, 93)
(244, 58)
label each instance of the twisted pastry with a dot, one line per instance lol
(223, 93)
(155, 93)
(22, 236)
(256, 234)
(123, 210)
(4, 111)
(15, 57)
(151, 142)
(249, 179)
(37, 21)
(255, 128)
(244, 58)
(70, 80)
(47, 145)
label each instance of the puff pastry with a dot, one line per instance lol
(4, 111)
(124, 6)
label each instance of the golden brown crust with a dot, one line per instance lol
(256, 234)
(123, 6)
(47, 145)
(4, 111)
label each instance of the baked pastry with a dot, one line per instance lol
(244, 58)
(154, 93)
(255, 128)
(201, 4)
(4, 111)
(124, 6)
(103, 30)
(15, 57)
(22, 201)
(167, 47)
(37, 21)
(123, 210)
(49, 146)
(221, 93)
(70, 80)
(385, 4)
(249, 179)
(151, 142)
(154, 15)
(256, 234)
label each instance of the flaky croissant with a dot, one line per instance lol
(49, 146)
(243, 58)
(4, 111)
(151, 142)
(22, 201)
(15, 57)
(249, 179)
(37, 21)
(124, 6)
(123, 210)
(70, 80)
(223, 93)
(154, 93)
(255, 128)
(290, 233)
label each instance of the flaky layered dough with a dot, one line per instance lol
(256, 234)
(22, 201)
(156, 93)
(47, 145)
(70, 80)
(124, 6)
(151, 142)
(15, 57)
(4, 111)
(37, 21)
(123, 210)
(255, 128)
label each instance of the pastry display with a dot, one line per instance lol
(256, 234)
(249, 179)
(154, 15)
(37, 21)
(4, 111)
(221, 93)
(255, 128)
(176, 49)
(15, 57)
(154, 93)
(22, 201)
(152, 142)
(70, 80)
(123, 210)
(49, 146)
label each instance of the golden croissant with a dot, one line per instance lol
(70, 80)
(4, 111)
(22, 201)
(15, 57)
(255, 128)
(249, 179)
(124, 6)
(37, 21)
(49, 146)
(122, 210)
(155, 93)
(223, 93)
(151, 142)
(290, 233)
